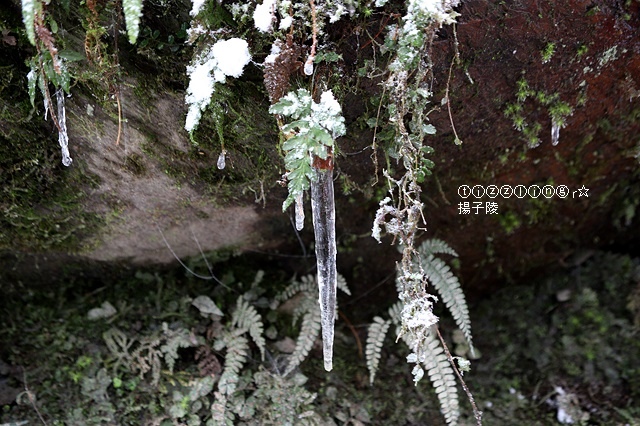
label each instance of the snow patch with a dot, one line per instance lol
(264, 15)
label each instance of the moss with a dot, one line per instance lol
(41, 200)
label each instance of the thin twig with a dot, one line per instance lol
(119, 118)
(353, 331)
(476, 413)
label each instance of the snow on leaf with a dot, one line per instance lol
(132, 14)
(28, 18)
(226, 58)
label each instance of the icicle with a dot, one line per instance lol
(63, 137)
(299, 212)
(322, 206)
(555, 132)
(308, 66)
(222, 159)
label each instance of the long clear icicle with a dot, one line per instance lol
(63, 137)
(324, 227)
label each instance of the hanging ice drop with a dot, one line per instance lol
(222, 160)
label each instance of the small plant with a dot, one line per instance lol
(558, 111)
(547, 52)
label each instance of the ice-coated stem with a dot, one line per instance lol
(324, 227)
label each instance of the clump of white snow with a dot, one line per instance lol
(197, 5)
(225, 58)
(264, 15)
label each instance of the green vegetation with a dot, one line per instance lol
(155, 357)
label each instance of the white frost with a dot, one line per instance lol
(286, 22)
(555, 132)
(264, 15)
(275, 51)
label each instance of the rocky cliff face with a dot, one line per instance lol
(525, 70)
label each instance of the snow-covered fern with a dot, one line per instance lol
(426, 349)
(375, 337)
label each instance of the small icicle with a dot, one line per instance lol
(555, 132)
(63, 137)
(299, 212)
(222, 159)
(308, 66)
(324, 226)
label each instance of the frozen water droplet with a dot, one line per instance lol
(299, 212)
(555, 132)
(222, 159)
(308, 66)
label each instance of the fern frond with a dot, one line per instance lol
(375, 337)
(306, 284)
(237, 354)
(448, 287)
(246, 318)
(309, 332)
(175, 339)
(219, 413)
(436, 246)
(342, 284)
(442, 377)
(118, 344)
(132, 13)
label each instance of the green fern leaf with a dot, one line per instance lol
(237, 354)
(309, 332)
(132, 14)
(448, 287)
(436, 246)
(442, 377)
(246, 318)
(375, 337)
